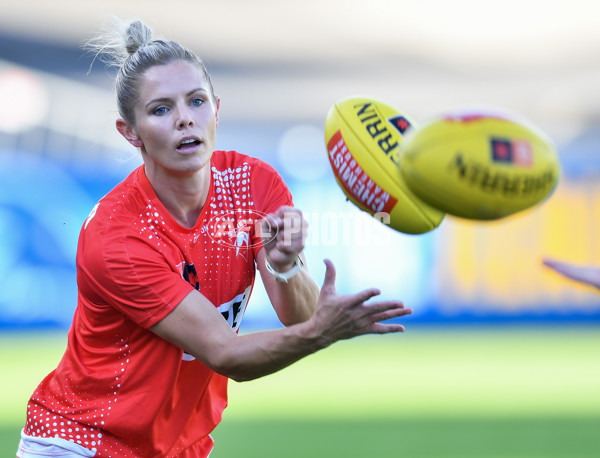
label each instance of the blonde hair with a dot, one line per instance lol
(132, 48)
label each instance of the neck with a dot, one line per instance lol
(183, 196)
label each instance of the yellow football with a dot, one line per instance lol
(480, 165)
(364, 140)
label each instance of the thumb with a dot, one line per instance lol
(329, 281)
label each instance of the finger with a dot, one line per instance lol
(363, 296)
(550, 263)
(269, 227)
(295, 228)
(562, 267)
(285, 216)
(382, 306)
(287, 236)
(286, 209)
(380, 328)
(389, 314)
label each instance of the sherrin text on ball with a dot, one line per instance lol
(364, 139)
(481, 165)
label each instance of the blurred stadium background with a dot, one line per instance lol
(278, 67)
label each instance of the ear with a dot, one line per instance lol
(217, 110)
(126, 131)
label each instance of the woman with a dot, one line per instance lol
(162, 259)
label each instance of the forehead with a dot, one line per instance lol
(171, 79)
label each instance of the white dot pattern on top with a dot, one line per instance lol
(227, 223)
(151, 225)
(45, 423)
(232, 188)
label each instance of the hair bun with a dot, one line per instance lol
(131, 47)
(137, 36)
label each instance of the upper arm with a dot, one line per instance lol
(197, 327)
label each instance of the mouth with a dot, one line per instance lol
(188, 144)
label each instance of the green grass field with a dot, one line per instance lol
(431, 392)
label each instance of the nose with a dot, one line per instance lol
(184, 118)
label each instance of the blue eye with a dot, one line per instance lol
(197, 102)
(160, 110)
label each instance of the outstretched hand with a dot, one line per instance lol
(582, 274)
(343, 317)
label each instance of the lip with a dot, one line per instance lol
(189, 148)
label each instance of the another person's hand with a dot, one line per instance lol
(583, 274)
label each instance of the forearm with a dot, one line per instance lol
(196, 326)
(251, 356)
(295, 301)
(293, 294)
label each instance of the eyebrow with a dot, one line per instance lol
(168, 99)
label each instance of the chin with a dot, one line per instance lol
(197, 163)
(204, 159)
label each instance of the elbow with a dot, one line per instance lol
(234, 373)
(291, 316)
(299, 317)
(230, 367)
(239, 378)
(290, 321)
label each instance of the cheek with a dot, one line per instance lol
(211, 124)
(153, 135)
